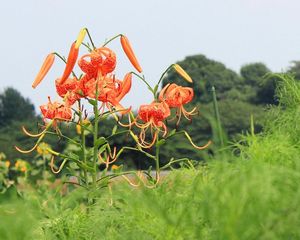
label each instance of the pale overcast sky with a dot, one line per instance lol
(234, 32)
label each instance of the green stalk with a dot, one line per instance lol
(83, 144)
(91, 40)
(144, 80)
(95, 155)
(157, 150)
(111, 39)
(217, 114)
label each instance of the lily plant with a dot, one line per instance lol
(97, 85)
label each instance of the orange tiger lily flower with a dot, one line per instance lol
(129, 53)
(56, 111)
(48, 62)
(110, 90)
(125, 86)
(177, 96)
(153, 116)
(101, 60)
(72, 58)
(69, 90)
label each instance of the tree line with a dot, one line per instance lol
(239, 96)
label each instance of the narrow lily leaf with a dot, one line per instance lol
(114, 130)
(172, 133)
(102, 149)
(150, 89)
(100, 141)
(155, 89)
(92, 102)
(160, 142)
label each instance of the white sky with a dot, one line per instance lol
(234, 32)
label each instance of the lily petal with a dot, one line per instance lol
(126, 86)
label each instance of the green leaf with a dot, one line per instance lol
(160, 142)
(172, 133)
(102, 148)
(150, 89)
(73, 165)
(114, 130)
(100, 141)
(155, 89)
(92, 102)
(74, 156)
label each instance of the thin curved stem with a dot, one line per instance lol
(174, 161)
(91, 40)
(87, 46)
(64, 60)
(144, 80)
(164, 73)
(111, 39)
(61, 135)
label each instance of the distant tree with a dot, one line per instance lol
(239, 97)
(261, 88)
(253, 73)
(295, 69)
(13, 106)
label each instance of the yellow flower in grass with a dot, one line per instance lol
(7, 164)
(115, 167)
(2, 156)
(21, 165)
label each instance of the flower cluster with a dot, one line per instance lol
(97, 81)
(154, 114)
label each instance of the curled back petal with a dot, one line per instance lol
(194, 145)
(126, 86)
(33, 148)
(32, 135)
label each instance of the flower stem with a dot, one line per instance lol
(83, 143)
(144, 80)
(164, 73)
(64, 60)
(95, 155)
(157, 169)
(91, 40)
(111, 39)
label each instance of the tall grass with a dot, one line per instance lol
(255, 195)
